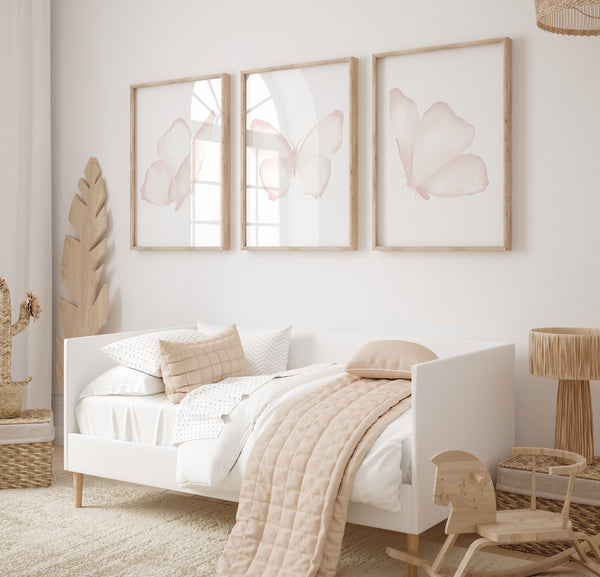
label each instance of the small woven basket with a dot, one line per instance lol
(11, 399)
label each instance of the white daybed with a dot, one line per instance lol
(464, 400)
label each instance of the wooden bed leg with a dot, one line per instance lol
(78, 486)
(412, 547)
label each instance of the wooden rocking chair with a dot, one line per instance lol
(463, 481)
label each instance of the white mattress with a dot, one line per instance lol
(150, 420)
(147, 419)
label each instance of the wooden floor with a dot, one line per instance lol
(436, 534)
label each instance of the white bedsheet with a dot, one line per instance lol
(147, 419)
(202, 412)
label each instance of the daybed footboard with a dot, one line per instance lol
(464, 402)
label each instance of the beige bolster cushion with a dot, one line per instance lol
(187, 366)
(388, 359)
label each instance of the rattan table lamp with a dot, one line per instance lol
(571, 355)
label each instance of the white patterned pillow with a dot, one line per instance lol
(143, 352)
(266, 350)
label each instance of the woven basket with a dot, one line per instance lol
(585, 518)
(11, 399)
(24, 465)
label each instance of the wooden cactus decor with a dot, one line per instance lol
(11, 392)
(81, 270)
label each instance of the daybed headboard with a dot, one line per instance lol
(313, 347)
(305, 348)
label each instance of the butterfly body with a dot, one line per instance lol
(281, 162)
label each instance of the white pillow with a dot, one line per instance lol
(123, 381)
(266, 350)
(143, 352)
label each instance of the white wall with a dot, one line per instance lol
(552, 276)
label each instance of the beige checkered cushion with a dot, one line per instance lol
(187, 366)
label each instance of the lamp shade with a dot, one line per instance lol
(565, 353)
(573, 17)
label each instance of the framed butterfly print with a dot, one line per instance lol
(180, 164)
(442, 146)
(299, 154)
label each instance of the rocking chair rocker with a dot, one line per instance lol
(463, 481)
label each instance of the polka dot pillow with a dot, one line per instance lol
(143, 351)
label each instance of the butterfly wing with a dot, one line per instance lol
(173, 149)
(181, 185)
(441, 137)
(173, 146)
(313, 164)
(276, 168)
(314, 173)
(157, 181)
(405, 120)
(189, 170)
(466, 174)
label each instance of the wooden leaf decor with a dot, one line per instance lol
(81, 270)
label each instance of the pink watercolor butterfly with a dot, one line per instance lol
(431, 149)
(170, 179)
(309, 159)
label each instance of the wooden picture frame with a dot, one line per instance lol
(299, 156)
(180, 164)
(442, 147)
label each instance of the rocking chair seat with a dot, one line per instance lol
(523, 525)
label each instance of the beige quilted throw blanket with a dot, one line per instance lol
(298, 479)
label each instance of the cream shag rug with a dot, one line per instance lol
(133, 531)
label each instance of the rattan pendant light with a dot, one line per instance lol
(572, 17)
